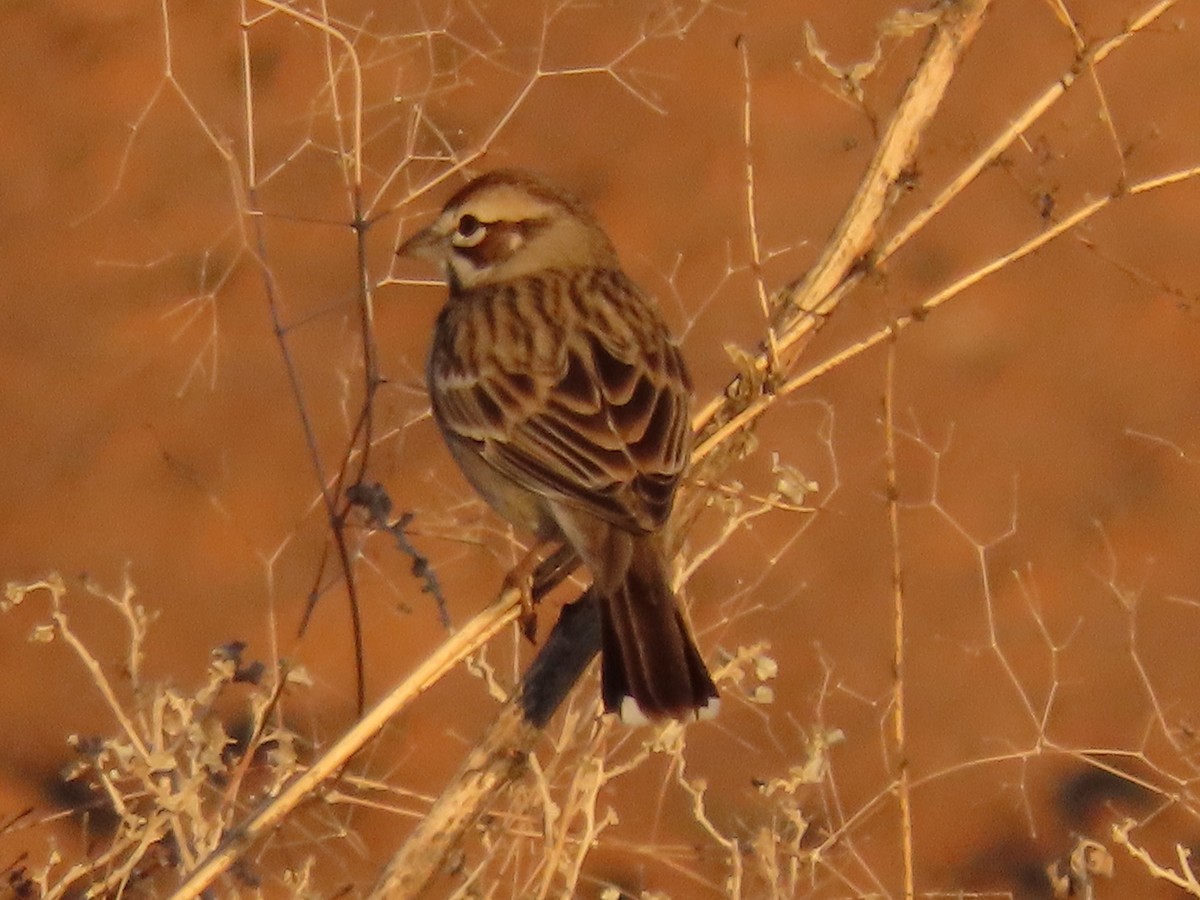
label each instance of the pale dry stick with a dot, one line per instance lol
(568, 852)
(760, 286)
(83, 876)
(137, 620)
(903, 788)
(496, 759)
(858, 229)
(733, 846)
(118, 864)
(1128, 598)
(477, 632)
(550, 811)
(814, 297)
(157, 827)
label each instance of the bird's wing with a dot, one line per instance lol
(596, 416)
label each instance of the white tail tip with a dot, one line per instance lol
(631, 713)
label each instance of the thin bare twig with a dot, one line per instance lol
(899, 723)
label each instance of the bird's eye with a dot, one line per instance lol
(468, 225)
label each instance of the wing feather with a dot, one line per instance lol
(590, 408)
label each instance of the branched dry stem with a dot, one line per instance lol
(157, 775)
(1184, 878)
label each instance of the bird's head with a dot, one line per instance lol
(505, 225)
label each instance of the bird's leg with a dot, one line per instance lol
(536, 575)
(520, 579)
(554, 569)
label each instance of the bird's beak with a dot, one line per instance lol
(425, 244)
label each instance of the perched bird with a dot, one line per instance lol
(564, 399)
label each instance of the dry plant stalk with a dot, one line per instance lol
(158, 774)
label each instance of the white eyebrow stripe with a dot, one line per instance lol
(505, 203)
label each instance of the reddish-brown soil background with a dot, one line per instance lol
(1050, 415)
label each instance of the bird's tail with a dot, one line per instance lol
(650, 667)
